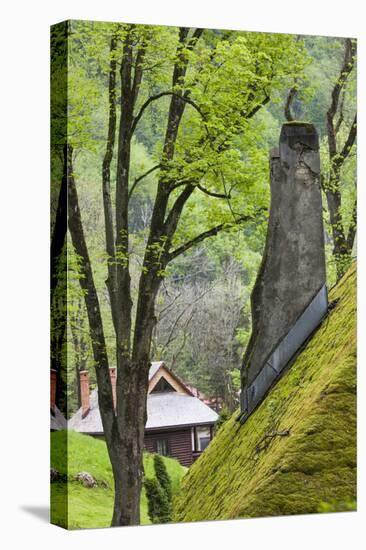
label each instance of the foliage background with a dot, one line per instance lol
(203, 308)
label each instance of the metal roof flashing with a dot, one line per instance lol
(284, 353)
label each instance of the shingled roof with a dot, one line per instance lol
(58, 421)
(155, 366)
(164, 410)
(92, 423)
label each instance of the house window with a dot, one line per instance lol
(162, 447)
(203, 437)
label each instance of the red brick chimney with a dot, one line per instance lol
(113, 375)
(84, 392)
(53, 390)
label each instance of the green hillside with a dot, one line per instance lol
(297, 453)
(75, 506)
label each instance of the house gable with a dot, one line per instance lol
(163, 377)
(162, 386)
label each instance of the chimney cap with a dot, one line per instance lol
(299, 132)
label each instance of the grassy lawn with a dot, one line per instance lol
(77, 507)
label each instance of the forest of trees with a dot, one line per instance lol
(164, 162)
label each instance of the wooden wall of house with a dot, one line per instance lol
(179, 444)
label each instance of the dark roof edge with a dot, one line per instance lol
(158, 429)
(173, 427)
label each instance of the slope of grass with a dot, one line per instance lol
(296, 454)
(75, 506)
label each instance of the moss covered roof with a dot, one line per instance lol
(298, 449)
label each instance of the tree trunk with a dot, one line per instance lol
(80, 347)
(341, 251)
(133, 365)
(124, 433)
(342, 244)
(105, 397)
(127, 447)
(58, 299)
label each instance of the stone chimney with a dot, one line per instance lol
(53, 382)
(113, 375)
(84, 393)
(289, 298)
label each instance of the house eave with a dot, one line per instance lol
(158, 428)
(178, 426)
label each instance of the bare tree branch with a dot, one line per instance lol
(140, 56)
(60, 227)
(290, 97)
(353, 227)
(213, 194)
(106, 177)
(171, 222)
(182, 346)
(348, 144)
(166, 308)
(152, 98)
(190, 306)
(341, 248)
(92, 304)
(341, 117)
(194, 38)
(346, 69)
(205, 235)
(137, 180)
(255, 109)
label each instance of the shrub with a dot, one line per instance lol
(159, 508)
(159, 493)
(162, 476)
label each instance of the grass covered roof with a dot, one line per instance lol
(297, 453)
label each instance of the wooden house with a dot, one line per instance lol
(179, 424)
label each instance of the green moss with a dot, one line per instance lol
(299, 123)
(244, 473)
